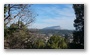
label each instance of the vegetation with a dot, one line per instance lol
(79, 24)
(21, 39)
(57, 42)
(18, 36)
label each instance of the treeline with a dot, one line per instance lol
(20, 38)
(15, 38)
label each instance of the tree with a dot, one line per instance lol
(39, 44)
(56, 42)
(18, 12)
(79, 23)
(16, 19)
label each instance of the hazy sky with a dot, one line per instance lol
(53, 15)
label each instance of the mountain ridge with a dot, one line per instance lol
(53, 27)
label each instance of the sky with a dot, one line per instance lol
(53, 15)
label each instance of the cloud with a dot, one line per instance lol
(55, 15)
(65, 23)
(56, 10)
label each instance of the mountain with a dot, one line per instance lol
(55, 30)
(53, 27)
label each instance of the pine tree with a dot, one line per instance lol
(79, 23)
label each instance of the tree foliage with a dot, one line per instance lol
(39, 44)
(57, 42)
(79, 23)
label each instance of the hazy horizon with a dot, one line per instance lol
(53, 15)
(49, 26)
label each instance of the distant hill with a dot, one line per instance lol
(53, 27)
(54, 30)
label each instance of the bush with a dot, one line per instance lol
(39, 44)
(16, 39)
(56, 42)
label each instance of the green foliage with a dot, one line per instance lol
(57, 42)
(79, 23)
(6, 31)
(39, 44)
(13, 28)
(21, 25)
(17, 39)
(15, 36)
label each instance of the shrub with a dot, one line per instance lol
(56, 42)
